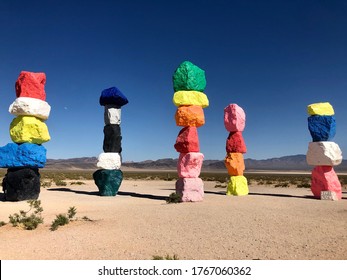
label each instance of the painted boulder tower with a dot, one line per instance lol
(189, 83)
(109, 177)
(28, 131)
(234, 122)
(322, 152)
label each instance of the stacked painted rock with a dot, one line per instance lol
(234, 122)
(109, 177)
(322, 152)
(28, 131)
(189, 82)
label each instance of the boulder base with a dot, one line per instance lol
(237, 186)
(189, 77)
(112, 139)
(323, 153)
(23, 155)
(187, 140)
(113, 96)
(109, 161)
(324, 178)
(108, 181)
(184, 98)
(190, 116)
(21, 184)
(189, 165)
(234, 118)
(31, 84)
(30, 107)
(321, 109)
(112, 114)
(235, 164)
(322, 128)
(190, 189)
(235, 143)
(29, 129)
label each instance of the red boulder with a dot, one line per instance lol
(235, 143)
(187, 140)
(31, 84)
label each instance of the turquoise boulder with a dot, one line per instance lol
(108, 181)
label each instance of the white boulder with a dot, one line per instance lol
(326, 153)
(112, 114)
(28, 106)
(109, 161)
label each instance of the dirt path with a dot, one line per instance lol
(270, 223)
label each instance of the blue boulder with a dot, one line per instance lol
(322, 128)
(112, 96)
(22, 155)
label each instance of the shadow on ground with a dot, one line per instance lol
(120, 193)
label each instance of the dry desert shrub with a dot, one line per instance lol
(28, 222)
(167, 257)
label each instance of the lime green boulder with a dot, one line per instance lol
(29, 129)
(189, 77)
(186, 98)
(108, 181)
(237, 186)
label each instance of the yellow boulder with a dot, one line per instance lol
(29, 129)
(237, 186)
(190, 97)
(321, 109)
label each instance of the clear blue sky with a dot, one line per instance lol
(272, 58)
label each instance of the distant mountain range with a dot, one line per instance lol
(286, 163)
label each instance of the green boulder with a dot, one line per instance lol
(189, 77)
(108, 181)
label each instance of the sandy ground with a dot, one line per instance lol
(270, 223)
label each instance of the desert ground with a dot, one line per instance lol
(269, 223)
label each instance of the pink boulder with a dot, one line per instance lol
(187, 140)
(189, 165)
(235, 143)
(324, 178)
(31, 84)
(234, 118)
(190, 189)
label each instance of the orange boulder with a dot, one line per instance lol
(190, 116)
(235, 164)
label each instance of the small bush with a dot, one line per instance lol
(282, 185)
(63, 219)
(60, 220)
(304, 185)
(220, 186)
(174, 198)
(46, 184)
(2, 223)
(77, 183)
(28, 222)
(60, 182)
(71, 212)
(167, 257)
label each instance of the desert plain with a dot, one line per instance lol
(268, 224)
